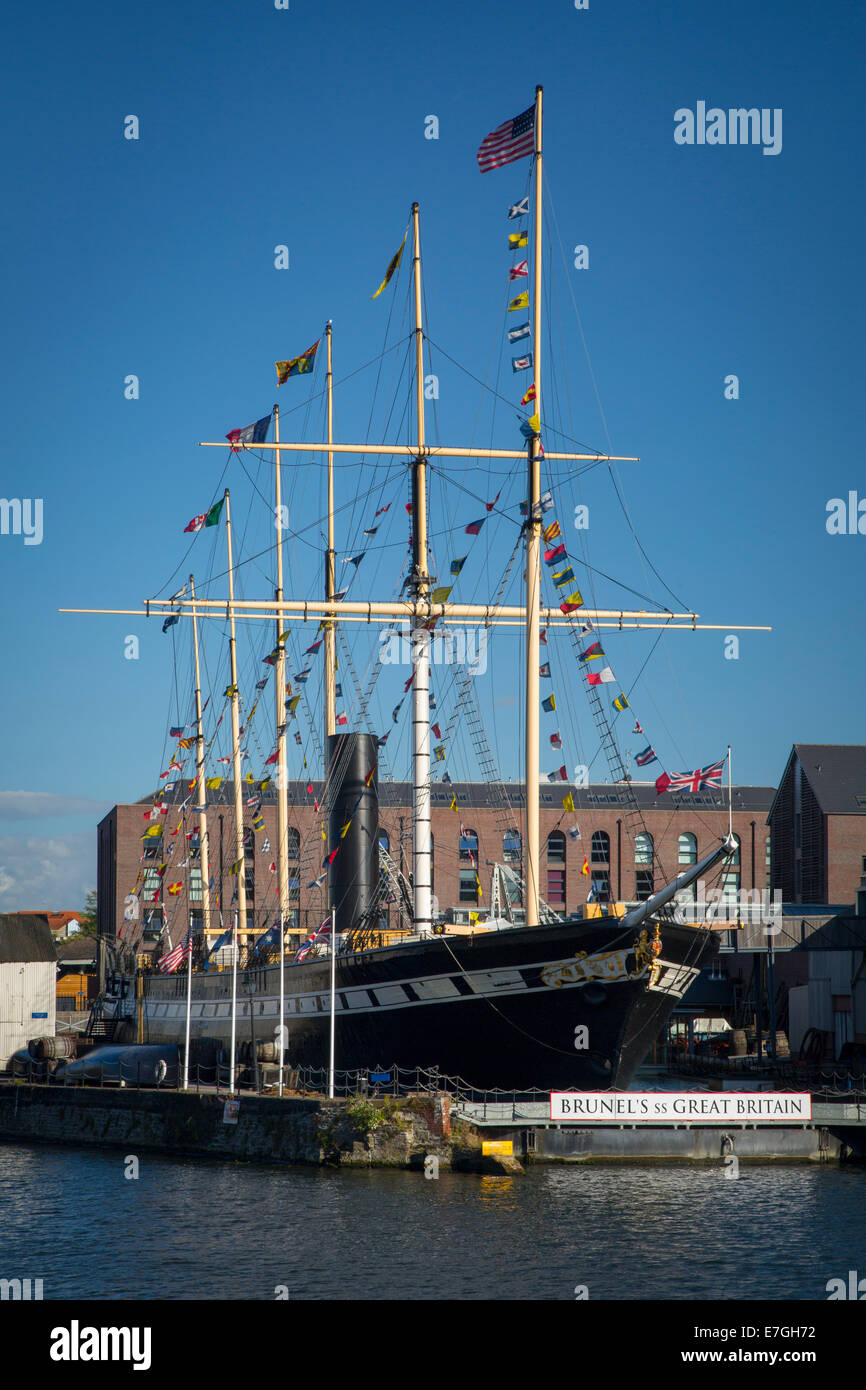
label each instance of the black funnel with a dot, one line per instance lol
(354, 872)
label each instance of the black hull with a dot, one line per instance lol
(498, 1009)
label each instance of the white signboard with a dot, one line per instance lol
(681, 1107)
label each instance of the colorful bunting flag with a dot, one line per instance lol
(520, 301)
(296, 365)
(620, 703)
(555, 553)
(519, 271)
(648, 755)
(573, 602)
(515, 334)
(603, 677)
(573, 832)
(556, 740)
(170, 622)
(517, 239)
(593, 653)
(552, 532)
(256, 433)
(521, 364)
(392, 266)
(585, 869)
(544, 671)
(563, 577)
(457, 565)
(474, 527)
(520, 209)
(568, 802)
(549, 705)
(529, 395)
(491, 505)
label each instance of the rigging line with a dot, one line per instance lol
(587, 448)
(611, 470)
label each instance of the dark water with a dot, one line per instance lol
(187, 1229)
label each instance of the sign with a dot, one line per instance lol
(504, 1147)
(681, 1107)
(230, 1112)
(38, 1015)
(380, 1078)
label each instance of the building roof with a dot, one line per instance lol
(25, 937)
(76, 950)
(56, 920)
(836, 772)
(596, 796)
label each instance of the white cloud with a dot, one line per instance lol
(24, 805)
(54, 874)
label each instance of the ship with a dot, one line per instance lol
(548, 1001)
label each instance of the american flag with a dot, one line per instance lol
(692, 781)
(170, 962)
(509, 141)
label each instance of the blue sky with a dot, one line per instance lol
(305, 127)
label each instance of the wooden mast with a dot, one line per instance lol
(330, 563)
(282, 856)
(423, 904)
(204, 848)
(240, 917)
(533, 571)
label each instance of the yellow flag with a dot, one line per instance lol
(441, 595)
(249, 777)
(345, 830)
(152, 830)
(534, 423)
(520, 301)
(453, 806)
(213, 783)
(264, 785)
(517, 239)
(293, 704)
(395, 261)
(568, 802)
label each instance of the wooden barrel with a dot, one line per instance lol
(47, 1049)
(739, 1047)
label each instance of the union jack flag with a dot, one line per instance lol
(691, 781)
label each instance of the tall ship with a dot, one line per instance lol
(369, 974)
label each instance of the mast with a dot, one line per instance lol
(240, 916)
(330, 562)
(533, 571)
(420, 632)
(280, 701)
(204, 848)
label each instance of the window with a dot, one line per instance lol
(196, 892)
(195, 845)
(250, 863)
(511, 848)
(643, 847)
(644, 884)
(151, 886)
(468, 886)
(469, 845)
(600, 852)
(293, 845)
(688, 849)
(556, 847)
(294, 889)
(600, 886)
(556, 887)
(153, 848)
(384, 840)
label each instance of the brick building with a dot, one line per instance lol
(818, 824)
(679, 830)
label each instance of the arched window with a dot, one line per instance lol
(469, 845)
(250, 863)
(600, 853)
(731, 881)
(556, 847)
(511, 848)
(293, 838)
(644, 882)
(688, 849)
(555, 894)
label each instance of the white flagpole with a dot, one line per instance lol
(333, 998)
(282, 1032)
(234, 1000)
(730, 795)
(188, 1007)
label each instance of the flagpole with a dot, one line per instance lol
(234, 1003)
(533, 569)
(204, 847)
(331, 1072)
(330, 562)
(730, 795)
(240, 915)
(280, 699)
(282, 1031)
(420, 633)
(188, 1007)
